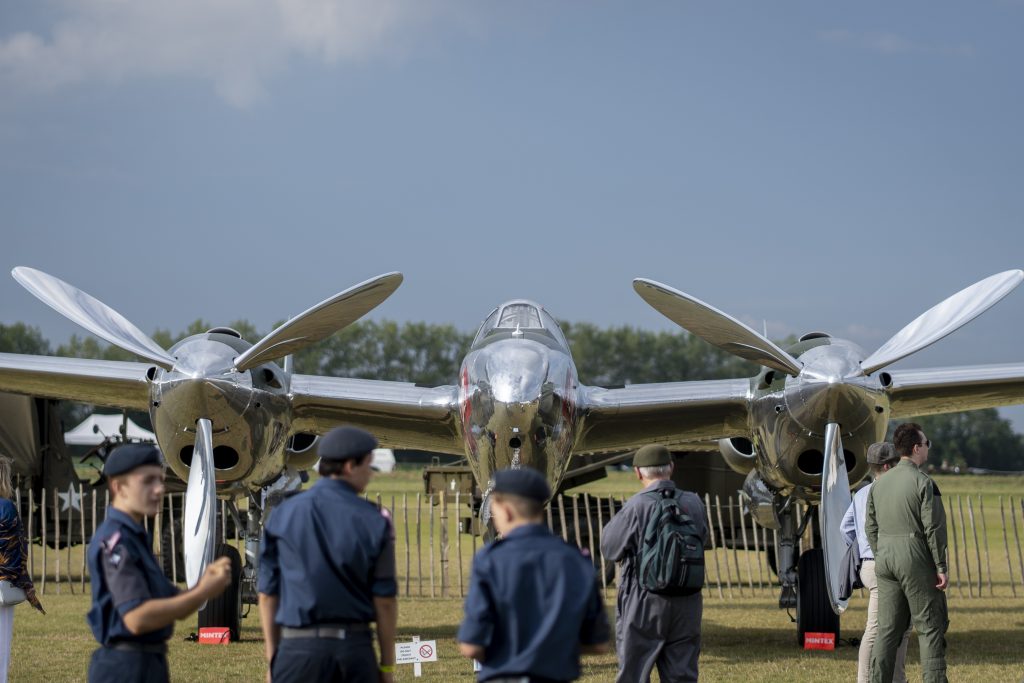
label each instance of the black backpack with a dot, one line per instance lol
(672, 554)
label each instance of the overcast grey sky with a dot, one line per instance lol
(813, 165)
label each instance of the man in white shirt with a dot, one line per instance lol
(881, 457)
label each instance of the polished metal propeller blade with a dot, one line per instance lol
(92, 314)
(200, 524)
(320, 321)
(944, 318)
(714, 326)
(835, 500)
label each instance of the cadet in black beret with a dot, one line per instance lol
(129, 456)
(346, 443)
(534, 604)
(525, 483)
(134, 605)
(316, 620)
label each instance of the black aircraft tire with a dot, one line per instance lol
(813, 610)
(226, 609)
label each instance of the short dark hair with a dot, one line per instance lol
(906, 436)
(526, 508)
(336, 468)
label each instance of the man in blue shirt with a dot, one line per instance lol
(327, 570)
(134, 606)
(881, 458)
(533, 605)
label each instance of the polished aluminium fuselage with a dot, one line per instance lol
(517, 406)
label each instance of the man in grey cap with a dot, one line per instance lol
(881, 458)
(327, 571)
(653, 629)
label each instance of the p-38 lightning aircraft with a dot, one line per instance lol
(229, 418)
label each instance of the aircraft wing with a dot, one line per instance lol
(399, 414)
(672, 413)
(945, 390)
(114, 384)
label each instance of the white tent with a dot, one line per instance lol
(96, 427)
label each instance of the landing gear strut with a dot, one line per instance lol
(804, 582)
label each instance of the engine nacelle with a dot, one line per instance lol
(302, 453)
(738, 453)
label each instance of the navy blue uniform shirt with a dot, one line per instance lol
(327, 553)
(533, 599)
(124, 574)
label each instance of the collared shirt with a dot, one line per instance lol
(327, 553)
(124, 574)
(533, 599)
(853, 523)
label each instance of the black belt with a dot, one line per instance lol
(336, 631)
(128, 646)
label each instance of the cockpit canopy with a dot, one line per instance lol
(520, 318)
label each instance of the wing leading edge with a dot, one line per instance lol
(946, 390)
(399, 414)
(671, 413)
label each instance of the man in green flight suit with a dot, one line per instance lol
(906, 528)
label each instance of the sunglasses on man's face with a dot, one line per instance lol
(927, 443)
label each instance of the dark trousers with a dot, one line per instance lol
(119, 666)
(304, 660)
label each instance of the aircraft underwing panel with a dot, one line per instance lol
(669, 413)
(944, 390)
(399, 414)
(106, 383)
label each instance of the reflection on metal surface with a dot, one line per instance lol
(835, 500)
(200, 522)
(944, 318)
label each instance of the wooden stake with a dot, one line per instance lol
(430, 509)
(721, 534)
(714, 545)
(419, 547)
(408, 551)
(590, 525)
(458, 539)
(977, 547)
(984, 542)
(31, 534)
(576, 522)
(56, 541)
(757, 553)
(561, 518)
(956, 553)
(600, 550)
(963, 536)
(1006, 547)
(444, 544)
(1016, 537)
(81, 520)
(746, 548)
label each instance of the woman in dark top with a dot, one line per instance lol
(13, 556)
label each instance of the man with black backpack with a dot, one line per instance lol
(658, 538)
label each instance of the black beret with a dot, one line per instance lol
(525, 482)
(652, 455)
(127, 457)
(345, 443)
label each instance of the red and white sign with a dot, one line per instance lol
(214, 635)
(819, 641)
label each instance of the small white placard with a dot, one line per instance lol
(416, 652)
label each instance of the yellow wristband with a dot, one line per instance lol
(387, 668)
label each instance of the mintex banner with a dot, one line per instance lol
(214, 635)
(819, 641)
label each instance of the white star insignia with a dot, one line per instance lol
(70, 499)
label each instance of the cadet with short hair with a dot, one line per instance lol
(134, 606)
(533, 604)
(653, 629)
(881, 458)
(906, 528)
(327, 570)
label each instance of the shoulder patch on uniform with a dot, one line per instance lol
(110, 543)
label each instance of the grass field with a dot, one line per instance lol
(746, 638)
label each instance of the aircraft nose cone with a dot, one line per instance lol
(516, 373)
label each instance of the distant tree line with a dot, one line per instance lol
(430, 355)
